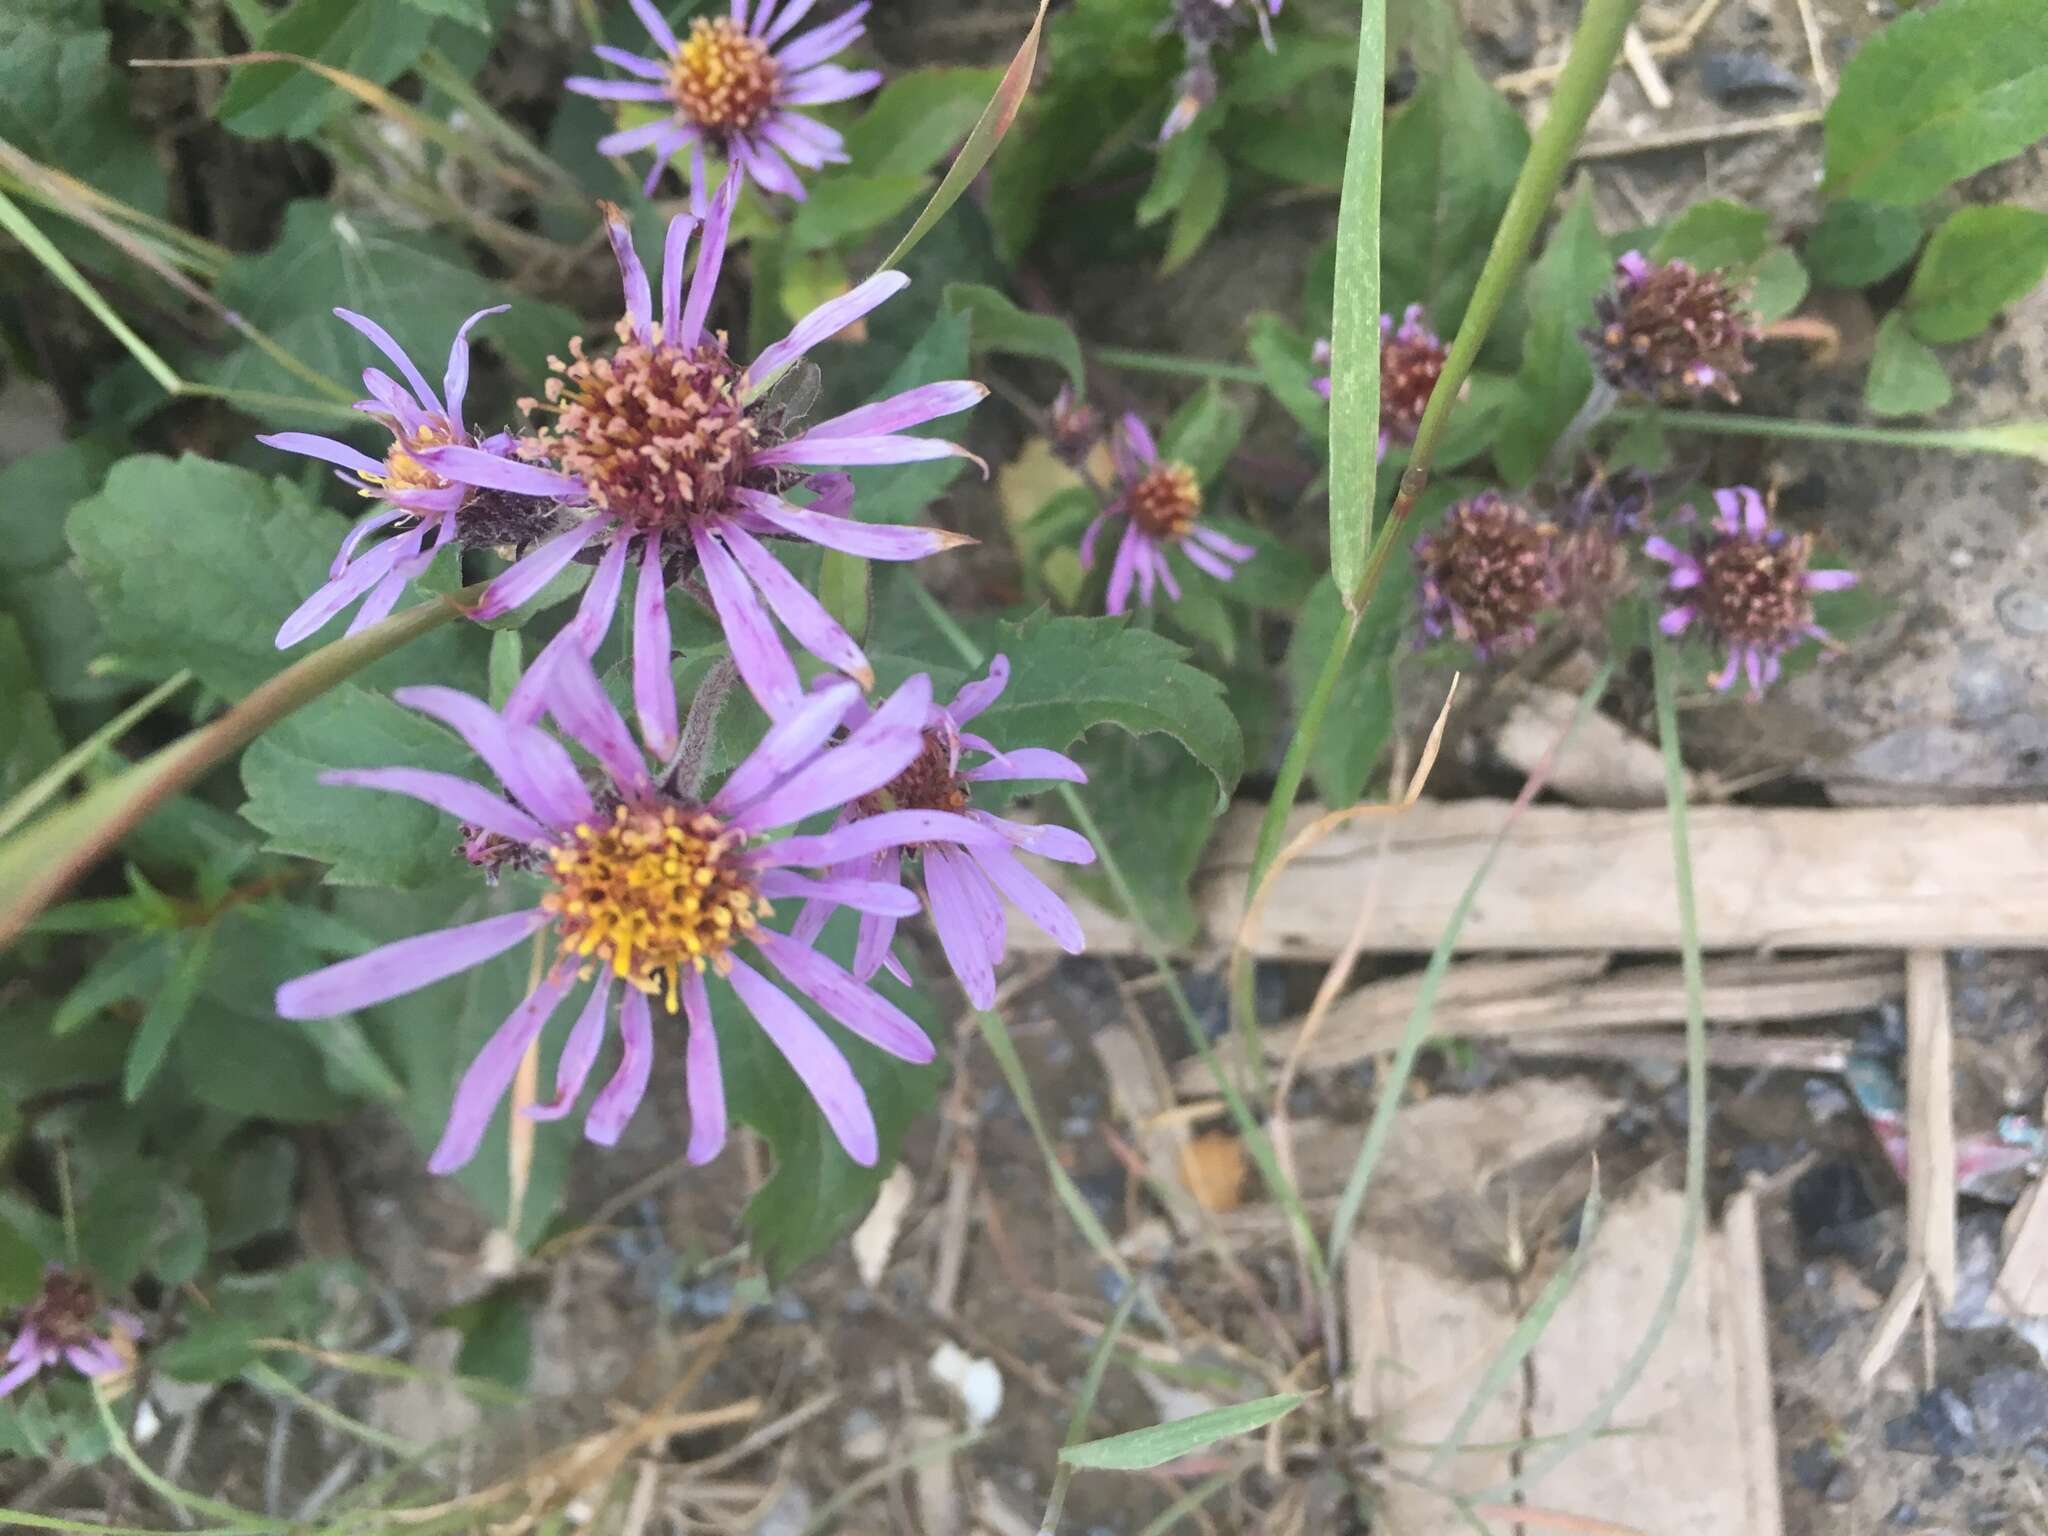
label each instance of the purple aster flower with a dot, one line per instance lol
(647, 889)
(1748, 585)
(1486, 575)
(1669, 332)
(1159, 500)
(670, 445)
(1411, 360)
(733, 85)
(423, 506)
(964, 883)
(66, 1323)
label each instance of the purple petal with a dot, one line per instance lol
(832, 452)
(702, 1081)
(532, 765)
(793, 13)
(460, 798)
(976, 696)
(912, 408)
(619, 1098)
(821, 42)
(523, 581)
(827, 320)
(881, 897)
(19, 1374)
(1657, 547)
(790, 743)
(580, 706)
(366, 525)
(1033, 897)
(627, 140)
(1725, 678)
(871, 541)
(1675, 620)
(868, 1014)
(763, 664)
(631, 63)
(1028, 763)
(1048, 840)
(1132, 447)
(632, 275)
(710, 260)
(654, 688)
(828, 83)
(1756, 518)
(657, 27)
(614, 90)
(491, 1073)
(675, 255)
(1203, 560)
(326, 449)
(891, 829)
(871, 949)
(93, 1357)
(1222, 543)
(879, 749)
(391, 399)
(814, 1058)
(473, 466)
(1165, 572)
(766, 168)
(583, 634)
(328, 600)
(1125, 570)
(382, 340)
(797, 146)
(801, 613)
(1087, 549)
(406, 966)
(960, 902)
(1830, 581)
(579, 1053)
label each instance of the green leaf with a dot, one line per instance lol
(376, 39)
(1281, 354)
(212, 1347)
(1979, 261)
(1283, 146)
(167, 1013)
(1173, 173)
(508, 661)
(1938, 95)
(1776, 285)
(1714, 235)
(840, 209)
(1265, 77)
(250, 1192)
(1000, 326)
(121, 1221)
(32, 742)
(1070, 675)
(21, 1268)
(1204, 432)
(133, 968)
(1143, 1448)
(1858, 243)
(63, 102)
(1453, 151)
(1196, 216)
(917, 118)
(37, 587)
(497, 1337)
(1157, 807)
(368, 837)
(1906, 378)
(1556, 375)
(900, 493)
(468, 13)
(1277, 577)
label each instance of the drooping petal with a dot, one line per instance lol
(766, 168)
(815, 452)
(1146, 566)
(93, 1357)
(800, 612)
(382, 340)
(914, 407)
(977, 695)
(532, 765)
(870, 834)
(1205, 560)
(815, 1060)
(627, 140)
(1221, 542)
(1165, 572)
(584, 634)
(790, 742)
(828, 83)
(581, 707)
(1086, 552)
(460, 798)
(632, 274)
(710, 261)
(364, 526)
(703, 1083)
(867, 1013)
(631, 63)
(1125, 570)
(484, 1085)
(756, 652)
(827, 320)
(1048, 840)
(614, 90)
(489, 471)
(871, 541)
(657, 27)
(317, 611)
(326, 449)
(1033, 897)
(619, 1098)
(879, 749)
(949, 880)
(880, 897)
(1027, 763)
(1132, 447)
(579, 1053)
(1675, 620)
(19, 1373)
(798, 148)
(523, 582)
(396, 969)
(1657, 547)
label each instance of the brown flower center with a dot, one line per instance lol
(1408, 373)
(403, 472)
(66, 1311)
(1167, 501)
(653, 890)
(657, 434)
(928, 784)
(722, 79)
(1753, 591)
(1675, 331)
(1491, 565)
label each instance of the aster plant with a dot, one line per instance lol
(1746, 585)
(676, 464)
(1160, 503)
(1669, 332)
(67, 1324)
(1486, 575)
(732, 86)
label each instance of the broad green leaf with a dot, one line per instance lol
(1157, 807)
(497, 1336)
(1143, 1448)
(1938, 95)
(133, 968)
(1979, 261)
(1000, 326)
(366, 837)
(38, 588)
(168, 1010)
(474, 14)
(1286, 147)
(1276, 577)
(1453, 151)
(1263, 77)
(1173, 173)
(900, 493)
(1858, 243)
(1281, 354)
(1776, 285)
(1906, 378)
(1715, 234)
(1196, 216)
(1556, 375)
(249, 1192)
(1204, 432)
(63, 101)
(376, 39)
(917, 118)
(32, 742)
(121, 1220)
(840, 209)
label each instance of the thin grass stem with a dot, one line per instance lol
(58, 265)
(1135, 360)
(1077, 1426)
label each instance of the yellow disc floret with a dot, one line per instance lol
(403, 472)
(721, 78)
(653, 890)
(1167, 501)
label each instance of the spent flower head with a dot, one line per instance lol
(964, 883)
(1486, 575)
(1204, 26)
(1411, 360)
(732, 84)
(1670, 332)
(1160, 503)
(1747, 584)
(679, 459)
(67, 1323)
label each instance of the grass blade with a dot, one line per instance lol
(2020, 439)
(1077, 1426)
(1355, 336)
(1154, 1447)
(58, 265)
(61, 772)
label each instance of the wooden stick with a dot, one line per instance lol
(2022, 1287)
(1930, 1123)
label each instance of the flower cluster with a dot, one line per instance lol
(1669, 332)
(67, 1323)
(1411, 360)
(1486, 575)
(1160, 503)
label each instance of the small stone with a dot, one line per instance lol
(1734, 77)
(2010, 1406)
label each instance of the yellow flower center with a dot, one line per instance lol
(656, 433)
(722, 79)
(403, 472)
(1167, 501)
(651, 891)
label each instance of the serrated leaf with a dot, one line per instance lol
(1906, 378)
(376, 39)
(1000, 326)
(168, 1010)
(1154, 1447)
(1204, 432)
(1979, 261)
(1157, 807)
(917, 119)
(1938, 95)
(1715, 234)
(1197, 214)
(1858, 243)
(1556, 375)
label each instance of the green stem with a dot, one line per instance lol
(1355, 327)
(171, 1493)
(2022, 439)
(19, 225)
(1292, 768)
(59, 773)
(1136, 361)
(1077, 1425)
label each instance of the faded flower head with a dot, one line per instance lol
(1748, 585)
(964, 883)
(1074, 427)
(425, 507)
(1486, 575)
(645, 890)
(1160, 501)
(683, 463)
(67, 1323)
(1669, 332)
(1411, 360)
(733, 84)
